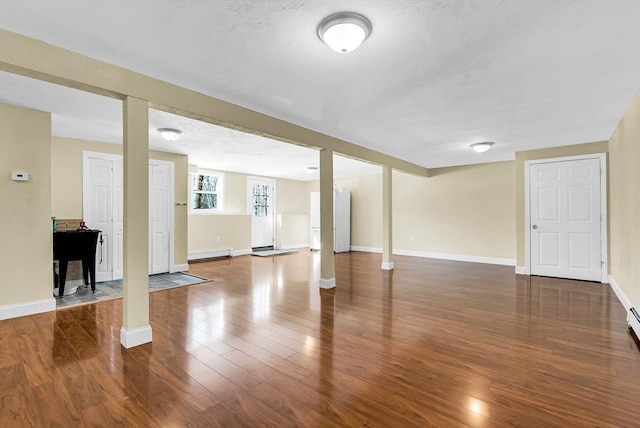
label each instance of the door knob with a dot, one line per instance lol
(535, 226)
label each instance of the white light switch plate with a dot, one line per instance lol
(19, 176)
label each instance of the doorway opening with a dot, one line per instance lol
(261, 206)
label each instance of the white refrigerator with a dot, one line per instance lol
(341, 221)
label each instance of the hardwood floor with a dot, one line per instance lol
(433, 343)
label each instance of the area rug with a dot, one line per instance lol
(113, 289)
(270, 253)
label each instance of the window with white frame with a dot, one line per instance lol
(207, 192)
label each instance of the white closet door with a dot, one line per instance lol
(314, 218)
(565, 219)
(99, 212)
(103, 194)
(159, 184)
(118, 219)
(342, 221)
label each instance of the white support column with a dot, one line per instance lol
(136, 329)
(387, 221)
(327, 262)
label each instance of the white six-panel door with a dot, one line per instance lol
(98, 197)
(159, 183)
(118, 219)
(565, 235)
(103, 195)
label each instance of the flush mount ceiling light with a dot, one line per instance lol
(170, 134)
(345, 31)
(481, 147)
(312, 169)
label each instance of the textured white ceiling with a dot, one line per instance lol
(434, 76)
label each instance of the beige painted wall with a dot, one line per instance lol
(228, 229)
(292, 231)
(366, 208)
(66, 183)
(292, 208)
(464, 211)
(624, 203)
(235, 193)
(554, 152)
(66, 173)
(231, 228)
(26, 257)
(291, 197)
(233, 231)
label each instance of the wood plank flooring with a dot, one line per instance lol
(432, 344)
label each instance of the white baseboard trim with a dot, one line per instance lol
(632, 321)
(366, 249)
(27, 308)
(225, 252)
(198, 255)
(135, 337)
(442, 256)
(619, 293)
(180, 268)
(521, 270)
(387, 266)
(235, 253)
(327, 283)
(457, 257)
(292, 246)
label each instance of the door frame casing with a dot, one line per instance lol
(273, 205)
(602, 157)
(170, 206)
(86, 155)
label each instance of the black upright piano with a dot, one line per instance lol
(76, 245)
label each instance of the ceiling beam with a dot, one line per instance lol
(36, 59)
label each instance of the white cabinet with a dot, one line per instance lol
(341, 221)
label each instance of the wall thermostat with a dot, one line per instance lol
(19, 176)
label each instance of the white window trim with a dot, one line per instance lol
(220, 192)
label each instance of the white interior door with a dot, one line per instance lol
(98, 198)
(565, 219)
(314, 220)
(342, 221)
(260, 204)
(118, 219)
(159, 185)
(103, 196)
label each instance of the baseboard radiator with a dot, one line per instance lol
(633, 319)
(203, 255)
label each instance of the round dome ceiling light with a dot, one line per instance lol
(345, 31)
(170, 134)
(481, 147)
